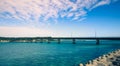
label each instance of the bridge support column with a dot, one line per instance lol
(74, 41)
(41, 40)
(48, 40)
(97, 41)
(59, 41)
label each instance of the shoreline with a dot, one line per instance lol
(110, 59)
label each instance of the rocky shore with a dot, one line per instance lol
(110, 59)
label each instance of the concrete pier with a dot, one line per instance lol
(97, 41)
(59, 41)
(74, 42)
(41, 40)
(48, 41)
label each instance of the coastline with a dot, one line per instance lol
(110, 59)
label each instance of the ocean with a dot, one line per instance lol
(53, 54)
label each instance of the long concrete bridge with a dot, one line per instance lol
(85, 38)
(58, 39)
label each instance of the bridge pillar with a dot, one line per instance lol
(97, 41)
(74, 41)
(59, 41)
(48, 40)
(41, 41)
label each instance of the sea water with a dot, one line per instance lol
(53, 54)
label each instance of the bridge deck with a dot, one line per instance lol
(89, 38)
(49, 39)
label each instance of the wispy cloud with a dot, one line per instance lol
(103, 2)
(23, 32)
(43, 10)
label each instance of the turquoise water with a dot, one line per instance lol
(53, 54)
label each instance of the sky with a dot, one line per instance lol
(60, 18)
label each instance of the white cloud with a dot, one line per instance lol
(103, 2)
(23, 32)
(33, 10)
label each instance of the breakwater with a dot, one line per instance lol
(110, 59)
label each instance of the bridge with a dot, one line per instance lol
(85, 38)
(58, 39)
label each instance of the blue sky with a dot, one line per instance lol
(76, 18)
